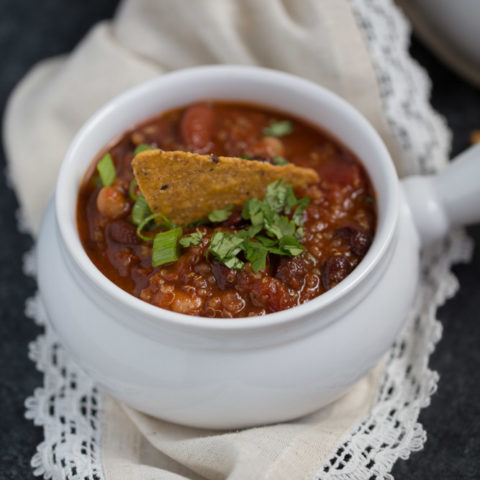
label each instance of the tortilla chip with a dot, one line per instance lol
(186, 187)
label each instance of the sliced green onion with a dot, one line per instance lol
(278, 129)
(131, 189)
(106, 169)
(140, 210)
(165, 247)
(166, 223)
(141, 148)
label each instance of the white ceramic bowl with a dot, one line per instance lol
(230, 373)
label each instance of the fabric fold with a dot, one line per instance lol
(288, 451)
(50, 105)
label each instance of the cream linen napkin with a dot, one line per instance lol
(316, 39)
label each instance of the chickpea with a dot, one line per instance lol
(137, 138)
(111, 202)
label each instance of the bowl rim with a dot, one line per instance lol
(381, 242)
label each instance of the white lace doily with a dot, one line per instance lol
(69, 407)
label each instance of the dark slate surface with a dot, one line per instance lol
(31, 31)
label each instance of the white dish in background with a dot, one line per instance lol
(451, 28)
(219, 373)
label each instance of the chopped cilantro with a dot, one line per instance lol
(253, 230)
(225, 246)
(291, 245)
(265, 241)
(280, 227)
(217, 216)
(278, 129)
(280, 195)
(301, 206)
(256, 253)
(279, 161)
(194, 238)
(300, 233)
(253, 210)
(234, 263)
(271, 230)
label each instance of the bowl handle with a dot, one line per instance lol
(448, 199)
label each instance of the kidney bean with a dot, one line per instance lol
(292, 271)
(223, 275)
(344, 233)
(235, 220)
(358, 240)
(122, 232)
(334, 270)
(122, 260)
(196, 126)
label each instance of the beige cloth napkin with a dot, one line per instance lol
(316, 39)
(140, 447)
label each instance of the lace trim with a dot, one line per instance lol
(421, 133)
(69, 407)
(391, 430)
